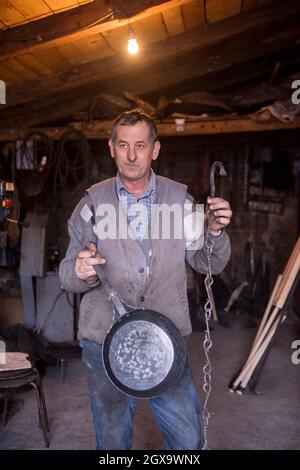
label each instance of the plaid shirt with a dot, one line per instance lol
(139, 211)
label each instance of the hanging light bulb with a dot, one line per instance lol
(133, 46)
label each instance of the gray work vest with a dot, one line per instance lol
(161, 286)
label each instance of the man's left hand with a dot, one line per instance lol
(219, 213)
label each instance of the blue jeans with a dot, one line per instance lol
(177, 410)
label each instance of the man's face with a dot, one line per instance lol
(133, 151)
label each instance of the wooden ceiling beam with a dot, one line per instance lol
(206, 69)
(45, 113)
(63, 109)
(77, 23)
(118, 65)
(51, 110)
(236, 74)
(101, 129)
(231, 68)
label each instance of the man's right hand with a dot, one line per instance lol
(85, 261)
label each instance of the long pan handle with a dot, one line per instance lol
(113, 296)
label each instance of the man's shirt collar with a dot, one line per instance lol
(151, 186)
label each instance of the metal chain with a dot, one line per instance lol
(207, 343)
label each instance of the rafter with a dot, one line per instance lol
(237, 70)
(172, 78)
(63, 108)
(101, 129)
(77, 23)
(204, 43)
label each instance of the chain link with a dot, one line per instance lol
(207, 343)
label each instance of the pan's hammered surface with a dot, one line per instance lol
(141, 354)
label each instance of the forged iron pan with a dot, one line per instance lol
(143, 352)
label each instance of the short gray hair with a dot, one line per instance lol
(130, 118)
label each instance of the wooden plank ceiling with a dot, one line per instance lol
(17, 12)
(66, 60)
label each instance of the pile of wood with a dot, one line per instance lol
(274, 315)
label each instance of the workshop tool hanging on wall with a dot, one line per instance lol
(274, 315)
(35, 159)
(209, 307)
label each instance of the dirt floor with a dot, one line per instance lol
(269, 419)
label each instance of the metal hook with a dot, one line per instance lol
(222, 172)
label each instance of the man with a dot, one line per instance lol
(147, 273)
